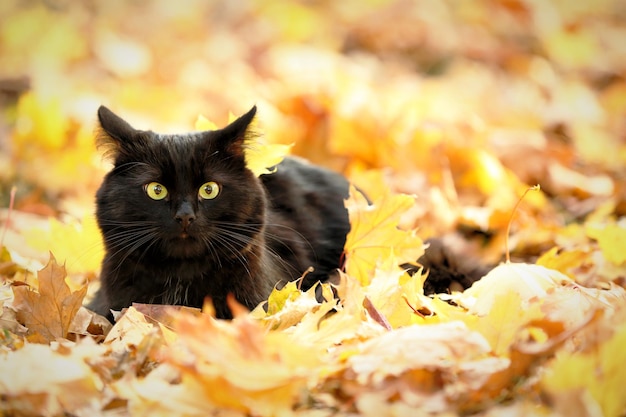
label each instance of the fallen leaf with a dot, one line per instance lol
(424, 366)
(48, 313)
(506, 317)
(525, 356)
(599, 373)
(612, 240)
(374, 236)
(239, 365)
(571, 304)
(391, 288)
(563, 260)
(61, 381)
(525, 280)
(287, 306)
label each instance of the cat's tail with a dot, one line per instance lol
(449, 269)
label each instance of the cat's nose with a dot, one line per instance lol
(185, 220)
(185, 215)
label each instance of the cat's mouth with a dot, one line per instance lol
(185, 245)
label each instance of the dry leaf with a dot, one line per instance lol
(525, 280)
(424, 366)
(612, 241)
(287, 306)
(239, 365)
(48, 313)
(460, 104)
(374, 236)
(506, 317)
(599, 374)
(36, 380)
(563, 260)
(395, 293)
(572, 304)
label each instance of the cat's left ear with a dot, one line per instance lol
(113, 125)
(234, 135)
(116, 136)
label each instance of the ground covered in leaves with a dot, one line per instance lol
(444, 112)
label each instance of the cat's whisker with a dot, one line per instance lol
(246, 240)
(276, 238)
(128, 241)
(233, 251)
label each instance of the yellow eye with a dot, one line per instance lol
(155, 191)
(209, 190)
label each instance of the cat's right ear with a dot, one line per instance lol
(114, 132)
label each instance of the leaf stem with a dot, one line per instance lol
(8, 220)
(508, 226)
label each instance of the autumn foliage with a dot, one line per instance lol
(443, 113)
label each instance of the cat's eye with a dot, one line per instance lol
(156, 191)
(209, 190)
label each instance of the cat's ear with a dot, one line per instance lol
(233, 136)
(115, 134)
(113, 125)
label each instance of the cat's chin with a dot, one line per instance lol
(185, 246)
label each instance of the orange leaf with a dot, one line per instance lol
(239, 365)
(49, 312)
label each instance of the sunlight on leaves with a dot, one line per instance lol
(599, 373)
(612, 241)
(241, 366)
(375, 235)
(525, 280)
(77, 243)
(462, 105)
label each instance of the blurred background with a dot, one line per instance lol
(464, 103)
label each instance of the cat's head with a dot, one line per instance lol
(178, 196)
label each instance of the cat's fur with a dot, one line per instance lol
(257, 233)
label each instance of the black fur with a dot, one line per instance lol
(257, 233)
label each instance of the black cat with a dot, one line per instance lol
(183, 218)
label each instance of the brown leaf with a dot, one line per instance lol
(49, 312)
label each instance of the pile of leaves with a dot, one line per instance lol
(444, 113)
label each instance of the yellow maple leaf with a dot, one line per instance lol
(49, 312)
(612, 241)
(599, 372)
(287, 306)
(374, 235)
(261, 157)
(395, 293)
(563, 260)
(504, 320)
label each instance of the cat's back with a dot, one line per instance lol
(306, 202)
